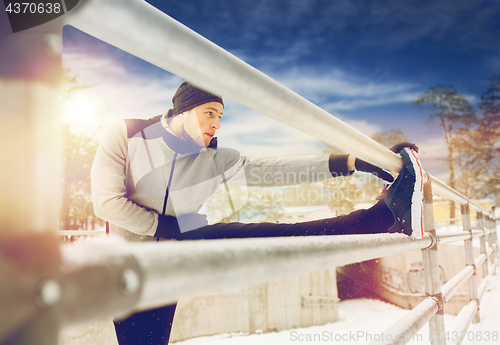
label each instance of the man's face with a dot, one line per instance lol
(208, 116)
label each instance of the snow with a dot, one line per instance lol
(99, 332)
(490, 317)
(361, 321)
(364, 320)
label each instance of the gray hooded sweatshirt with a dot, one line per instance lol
(141, 170)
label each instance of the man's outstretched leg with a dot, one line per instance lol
(399, 210)
(400, 207)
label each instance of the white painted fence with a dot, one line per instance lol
(112, 278)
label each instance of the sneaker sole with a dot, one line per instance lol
(417, 220)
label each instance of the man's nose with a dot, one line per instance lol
(216, 124)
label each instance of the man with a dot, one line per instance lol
(151, 177)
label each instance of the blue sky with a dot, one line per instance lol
(362, 61)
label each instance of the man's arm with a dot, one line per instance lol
(266, 172)
(108, 178)
(281, 171)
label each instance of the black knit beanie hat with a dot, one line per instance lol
(188, 97)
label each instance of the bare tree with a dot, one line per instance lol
(76, 212)
(390, 137)
(489, 135)
(490, 106)
(456, 117)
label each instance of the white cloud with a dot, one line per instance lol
(254, 134)
(257, 135)
(125, 94)
(339, 83)
(336, 90)
(472, 99)
(131, 95)
(358, 103)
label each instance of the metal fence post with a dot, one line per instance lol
(491, 243)
(29, 181)
(432, 272)
(494, 239)
(482, 242)
(469, 258)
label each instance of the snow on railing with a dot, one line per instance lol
(431, 309)
(111, 277)
(85, 233)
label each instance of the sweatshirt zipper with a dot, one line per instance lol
(169, 184)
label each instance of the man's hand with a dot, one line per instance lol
(361, 165)
(170, 227)
(191, 221)
(398, 147)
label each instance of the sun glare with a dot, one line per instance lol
(79, 110)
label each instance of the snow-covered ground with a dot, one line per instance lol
(361, 321)
(364, 320)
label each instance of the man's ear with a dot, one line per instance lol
(186, 113)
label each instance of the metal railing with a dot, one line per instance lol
(85, 233)
(432, 308)
(114, 278)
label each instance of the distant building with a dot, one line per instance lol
(296, 214)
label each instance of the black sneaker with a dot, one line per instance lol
(404, 196)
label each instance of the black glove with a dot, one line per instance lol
(169, 227)
(361, 165)
(398, 147)
(338, 165)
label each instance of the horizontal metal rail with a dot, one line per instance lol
(405, 329)
(220, 264)
(451, 287)
(409, 325)
(480, 259)
(446, 191)
(453, 237)
(448, 220)
(146, 32)
(81, 232)
(137, 276)
(456, 236)
(321, 297)
(464, 320)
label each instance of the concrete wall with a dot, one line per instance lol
(396, 267)
(269, 307)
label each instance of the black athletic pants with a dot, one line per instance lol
(153, 327)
